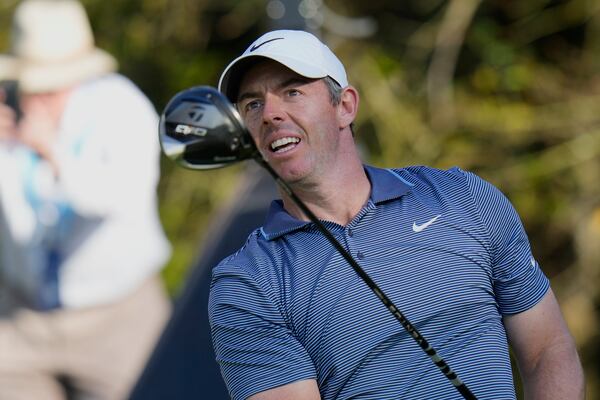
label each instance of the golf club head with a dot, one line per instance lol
(200, 129)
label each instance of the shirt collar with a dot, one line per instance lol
(386, 184)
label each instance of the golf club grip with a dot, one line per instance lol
(421, 341)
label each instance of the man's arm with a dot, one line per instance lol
(545, 352)
(300, 390)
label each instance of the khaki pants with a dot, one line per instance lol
(98, 351)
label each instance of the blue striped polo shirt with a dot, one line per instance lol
(448, 249)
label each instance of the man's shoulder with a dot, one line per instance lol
(452, 183)
(431, 176)
(115, 99)
(114, 88)
(248, 257)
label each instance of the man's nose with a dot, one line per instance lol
(273, 110)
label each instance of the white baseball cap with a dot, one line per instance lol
(300, 51)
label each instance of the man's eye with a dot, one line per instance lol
(251, 105)
(293, 92)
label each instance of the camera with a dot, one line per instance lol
(11, 95)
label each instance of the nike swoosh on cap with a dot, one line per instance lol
(256, 46)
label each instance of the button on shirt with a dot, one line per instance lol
(446, 247)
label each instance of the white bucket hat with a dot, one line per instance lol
(300, 51)
(53, 43)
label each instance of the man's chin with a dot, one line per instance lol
(292, 176)
(296, 172)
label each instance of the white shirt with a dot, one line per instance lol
(100, 213)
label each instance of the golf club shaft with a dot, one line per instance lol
(421, 341)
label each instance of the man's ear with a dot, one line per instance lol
(348, 107)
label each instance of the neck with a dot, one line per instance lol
(336, 197)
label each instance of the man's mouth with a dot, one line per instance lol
(284, 144)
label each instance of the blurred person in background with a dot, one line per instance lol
(81, 245)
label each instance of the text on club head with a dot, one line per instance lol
(190, 130)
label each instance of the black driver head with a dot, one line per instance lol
(200, 129)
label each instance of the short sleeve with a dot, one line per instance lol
(519, 283)
(253, 344)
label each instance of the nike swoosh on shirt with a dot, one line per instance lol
(256, 46)
(419, 228)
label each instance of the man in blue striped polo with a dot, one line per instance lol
(291, 320)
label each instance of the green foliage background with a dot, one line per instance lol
(507, 89)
